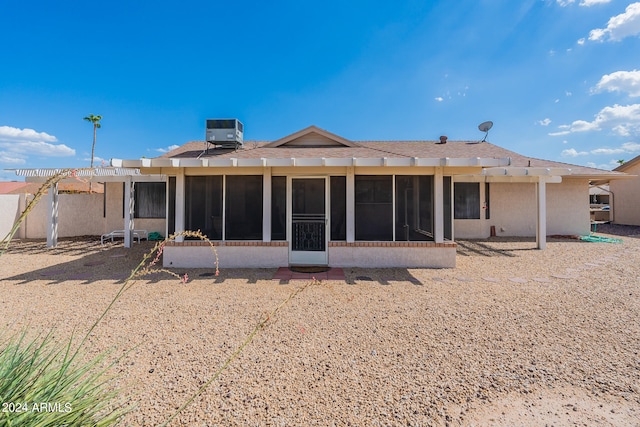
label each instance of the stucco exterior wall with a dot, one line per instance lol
(626, 198)
(11, 206)
(513, 211)
(568, 207)
(383, 257)
(114, 215)
(78, 215)
(201, 256)
(228, 256)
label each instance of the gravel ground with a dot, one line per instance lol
(512, 336)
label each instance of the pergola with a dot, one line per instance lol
(539, 176)
(128, 176)
(493, 170)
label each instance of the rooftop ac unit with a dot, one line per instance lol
(226, 133)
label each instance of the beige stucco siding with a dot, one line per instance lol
(513, 211)
(78, 215)
(626, 198)
(568, 207)
(11, 206)
(228, 256)
(382, 257)
(82, 215)
(247, 256)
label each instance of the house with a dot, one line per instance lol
(626, 194)
(316, 198)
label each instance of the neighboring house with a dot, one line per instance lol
(315, 198)
(11, 187)
(600, 203)
(14, 187)
(626, 194)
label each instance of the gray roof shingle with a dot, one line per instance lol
(377, 149)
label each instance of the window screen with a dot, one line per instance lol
(171, 218)
(374, 207)
(243, 207)
(414, 207)
(338, 208)
(278, 207)
(150, 199)
(446, 205)
(203, 205)
(466, 200)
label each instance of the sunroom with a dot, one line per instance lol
(313, 198)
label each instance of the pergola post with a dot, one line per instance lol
(351, 204)
(129, 203)
(266, 205)
(541, 220)
(52, 226)
(180, 198)
(438, 209)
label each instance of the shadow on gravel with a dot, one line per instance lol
(95, 262)
(617, 230)
(496, 246)
(472, 248)
(380, 276)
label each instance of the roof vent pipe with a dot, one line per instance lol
(443, 139)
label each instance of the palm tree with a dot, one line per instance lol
(96, 124)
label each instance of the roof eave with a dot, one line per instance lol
(313, 162)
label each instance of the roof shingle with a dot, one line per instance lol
(377, 149)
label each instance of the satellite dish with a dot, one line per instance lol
(484, 127)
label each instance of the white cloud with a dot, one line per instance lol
(439, 98)
(16, 145)
(620, 26)
(571, 152)
(620, 81)
(564, 130)
(567, 93)
(589, 3)
(627, 147)
(583, 126)
(581, 41)
(544, 122)
(564, 3)
(39, 148)
(166, 150)
(6, 157)
(623, 120)
(8, 133)
(97, 161)
(611, 165)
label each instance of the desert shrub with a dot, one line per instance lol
(44, 383)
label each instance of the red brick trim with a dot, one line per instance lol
(229, 243)
(393, 244)
(281, 243)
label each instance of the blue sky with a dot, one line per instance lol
(559, 78)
